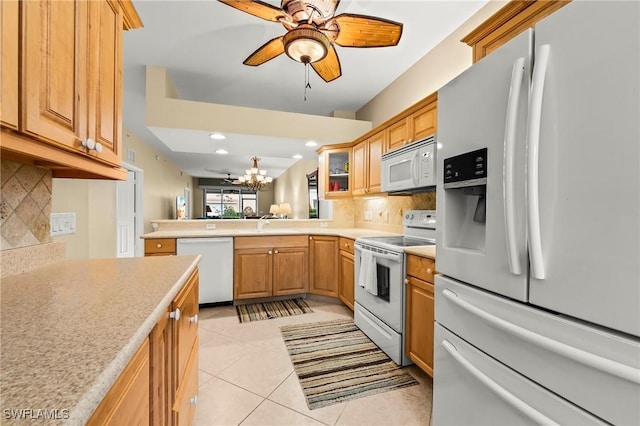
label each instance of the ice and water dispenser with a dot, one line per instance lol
(465, 185)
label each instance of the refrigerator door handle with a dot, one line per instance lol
(589, 359)
(533, 145)
(506, 396)
(517, 74)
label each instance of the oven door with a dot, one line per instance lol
(388, 267)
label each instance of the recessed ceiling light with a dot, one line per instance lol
(297, 156)
(217, 136)
(221, 151)
(311, 143)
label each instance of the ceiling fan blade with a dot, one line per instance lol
(363, 31)
(266, 52)
(329, 67)
(257, 8)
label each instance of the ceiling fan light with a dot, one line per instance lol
(306, 45)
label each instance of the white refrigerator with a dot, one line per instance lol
(538, 199)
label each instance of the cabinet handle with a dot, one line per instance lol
(98, 147)
(269, 252)
(429, 271)
(406, 280)
(311, 238)
(276, 251)
(194, 319)
(88, 143)
(194, 400)
(175, 314)
(346, 244)
(158, 245)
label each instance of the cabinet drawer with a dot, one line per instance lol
(160, 246)
(421, 267)
(346, 244)
(271, 241)
(186, 327)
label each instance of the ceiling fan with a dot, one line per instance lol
(312, 30)
(230, 180)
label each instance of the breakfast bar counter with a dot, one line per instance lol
(69, 329)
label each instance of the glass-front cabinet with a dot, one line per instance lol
(335, 169)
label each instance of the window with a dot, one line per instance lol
(230, 203)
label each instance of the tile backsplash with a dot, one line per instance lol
(25, 205)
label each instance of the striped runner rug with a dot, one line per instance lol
(269, 310)
(335, 362)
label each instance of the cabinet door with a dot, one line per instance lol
(424, 121)
(54, 79)
(187, 396)
(160, 349)
(398, 134)
(347, 279)
(324, 265)
(290, 271)
(419, 323)
(9, 31)
(376, 146)
(252, 273)
(105, 96)
(185, 328)
(359, 169)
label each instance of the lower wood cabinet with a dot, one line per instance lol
(159, 386)
(419, 320)
(323, 270)
(346, 282)
(127, 402)
(270, 266)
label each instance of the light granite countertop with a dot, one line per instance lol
(267, 231)
(424, 251)
(67, 330)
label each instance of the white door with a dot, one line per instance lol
(126, 216)
(589, 179)
(472, 114)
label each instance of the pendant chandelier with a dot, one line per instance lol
(256, 179)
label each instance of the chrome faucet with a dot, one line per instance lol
(264, 220)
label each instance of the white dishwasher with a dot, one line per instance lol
(216, 267)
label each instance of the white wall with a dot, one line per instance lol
(434, 70)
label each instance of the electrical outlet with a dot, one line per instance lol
(385, 216)
(368, 215)
(211, 226)
(323, 224)
(62, 223)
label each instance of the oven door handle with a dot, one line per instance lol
(396, 257)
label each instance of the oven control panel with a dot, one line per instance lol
(419, 219)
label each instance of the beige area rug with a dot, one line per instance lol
(336, 362)
(269, 310)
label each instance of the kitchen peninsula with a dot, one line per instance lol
(71, 328)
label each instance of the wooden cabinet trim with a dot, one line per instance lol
(506, 23)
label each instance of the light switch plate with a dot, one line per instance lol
(63, 223)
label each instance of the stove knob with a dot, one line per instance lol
(411, 216)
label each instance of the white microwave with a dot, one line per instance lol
(411, 168)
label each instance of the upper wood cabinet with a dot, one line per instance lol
(70, 85)
(9, 77)
(398, 134)
(366, 169)
(424, 121)
(334, 167)
(508, 22)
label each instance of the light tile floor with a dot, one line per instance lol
(246, 378)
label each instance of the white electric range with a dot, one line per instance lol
(379, 280)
